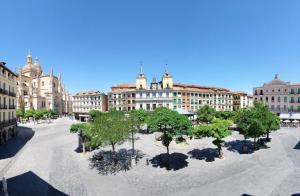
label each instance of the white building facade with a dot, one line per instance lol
(280, 96)
(158, 94)
(84, 102)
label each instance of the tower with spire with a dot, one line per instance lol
(141, 80)
(167, 79)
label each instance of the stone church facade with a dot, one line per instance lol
(37, 90)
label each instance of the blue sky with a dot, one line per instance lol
(94, 44)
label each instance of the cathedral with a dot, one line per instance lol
(37, 90)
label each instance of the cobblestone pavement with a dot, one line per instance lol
(50, 166)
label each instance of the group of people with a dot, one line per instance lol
(293, 123)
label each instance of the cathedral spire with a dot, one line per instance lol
(141, 69)
(36, 61)
(29, 57)
(51, 72)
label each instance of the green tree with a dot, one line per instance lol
(206, 114)
(273, 123)
(256, 121)
(83, 131)
(20, 114)
(39, 114)
(135, 119)
(29, 113)
(225, 115)
(109, 129)
(218, 129)
(170, 123)
(94, 113)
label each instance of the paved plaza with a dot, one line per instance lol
(49, 165)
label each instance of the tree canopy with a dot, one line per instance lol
(170, 123)
(206, 114)
(218, 129)
(94, 113)
(257, 121)
(109, 129)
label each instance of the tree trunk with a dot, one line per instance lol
(113, 147)
(168, 150)
(220, 151)
(254, 143)
(114, 157)
(83, 145)
(268, 136)
(132, 140)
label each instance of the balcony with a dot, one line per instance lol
(3, 106)
(12, 94)
(12, 107)
(3, 91)
(8, 123)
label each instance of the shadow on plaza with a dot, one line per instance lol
(207, 154)
(297, 147)
(29, 184)
(107, 162)
(245, 146)
(174, 161)
(296, 194)
(16, 143)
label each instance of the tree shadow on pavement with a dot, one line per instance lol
(15, 144)
(239, 145)
(297, 147)
(174, 161)
(29, 184)
(207, 154)
(107, 162)
(296, 194)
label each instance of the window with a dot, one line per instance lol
(285, 99)
(43, 83)
(148, 107)
(292, 91)
(278, 99)
(154, 106)
(292, 100)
